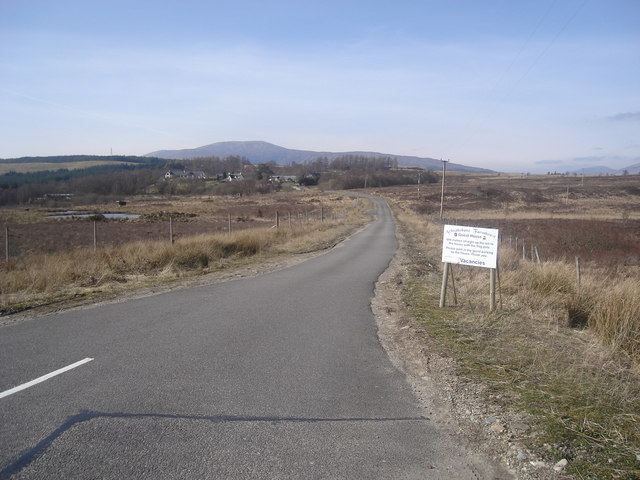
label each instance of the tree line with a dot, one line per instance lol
(146, 175)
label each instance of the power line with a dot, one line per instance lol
(549, 45)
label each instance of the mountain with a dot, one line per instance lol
(631, 169)
(597, 171)
(263, 152)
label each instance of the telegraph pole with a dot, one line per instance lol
(444, 170)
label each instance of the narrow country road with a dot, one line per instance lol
(276, 376)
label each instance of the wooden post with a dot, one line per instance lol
(492, 290)
(499, 286)
(322, 214)
(289, 219)
(277, 219)
(95, 236)
(443, 289)
(6, 243)
(524, 252)
(170, 229)
(578, 273)
(453, 284)
(444, 171)
(537, 255)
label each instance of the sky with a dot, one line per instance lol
(510, 85)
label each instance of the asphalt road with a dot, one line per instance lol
(276, 376)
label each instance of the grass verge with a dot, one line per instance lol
(580, 386)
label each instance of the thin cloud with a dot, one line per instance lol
(548, 162)
(626, 117)
(593, 159)
(111, 119)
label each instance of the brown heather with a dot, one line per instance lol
(567, 355)
(42, 278)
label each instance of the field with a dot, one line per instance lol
(56, 260)
(33, 231)
(597, 218)
(27, 167)
(566, 356)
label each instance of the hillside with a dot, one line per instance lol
(263, 152)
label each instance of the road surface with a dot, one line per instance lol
(276, 376)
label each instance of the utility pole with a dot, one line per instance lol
(444, 171)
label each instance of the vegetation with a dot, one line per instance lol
(91, 179)
(567, 355)
(34, 279)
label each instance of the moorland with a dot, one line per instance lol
(565, 353)
(562, 350)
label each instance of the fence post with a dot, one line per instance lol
(6, 243)
(170, 229)
(289, 219)
(578, 275)
(537, 255)
(524, 252)
(95, 236)
(277, 220)
(322, 214)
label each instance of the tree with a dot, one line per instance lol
(263, 170)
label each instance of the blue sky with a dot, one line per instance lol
(518, 85)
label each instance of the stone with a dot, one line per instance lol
(521, 427)
(490, 420)
(561, 465)
(497, 427)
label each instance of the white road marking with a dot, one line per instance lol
(24, 386)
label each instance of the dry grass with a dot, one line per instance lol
(40, 278)
(568, 356)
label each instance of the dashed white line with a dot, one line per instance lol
(24, 386)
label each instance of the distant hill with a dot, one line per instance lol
(81, 158)
(598, 171)
(631, 169)
(263, 152)
(602, 170)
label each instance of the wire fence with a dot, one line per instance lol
(22, 239)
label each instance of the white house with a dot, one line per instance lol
(197, 174)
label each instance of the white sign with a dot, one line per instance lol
(477, 247)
